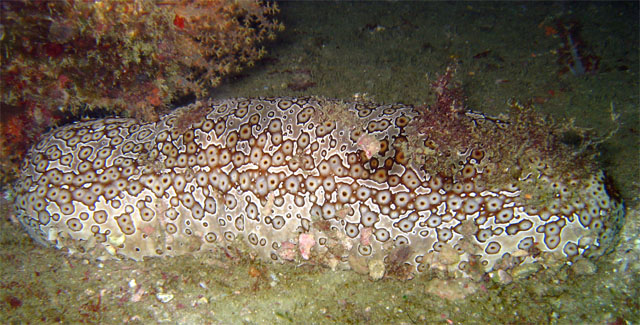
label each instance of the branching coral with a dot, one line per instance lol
(131, 57)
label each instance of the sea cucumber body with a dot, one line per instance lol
(283, 179)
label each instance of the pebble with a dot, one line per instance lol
(164, 297)
(376, 269)
(501, 276)
(584, 267)
(358, 263)
(523, 271)
(202, 301)
(453, 289)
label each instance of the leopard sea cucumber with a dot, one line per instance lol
(283, 179)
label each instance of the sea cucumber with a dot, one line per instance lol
(261, 174)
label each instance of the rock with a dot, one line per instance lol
(584, 267)
(453, 289)
(501, 277)
(358, 263)
(376, 269)
(164, 297)
(305, 242)
(524, 271)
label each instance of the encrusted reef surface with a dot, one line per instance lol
(339, 184)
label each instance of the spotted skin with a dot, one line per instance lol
(258, 173)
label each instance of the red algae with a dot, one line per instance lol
(13, 301)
